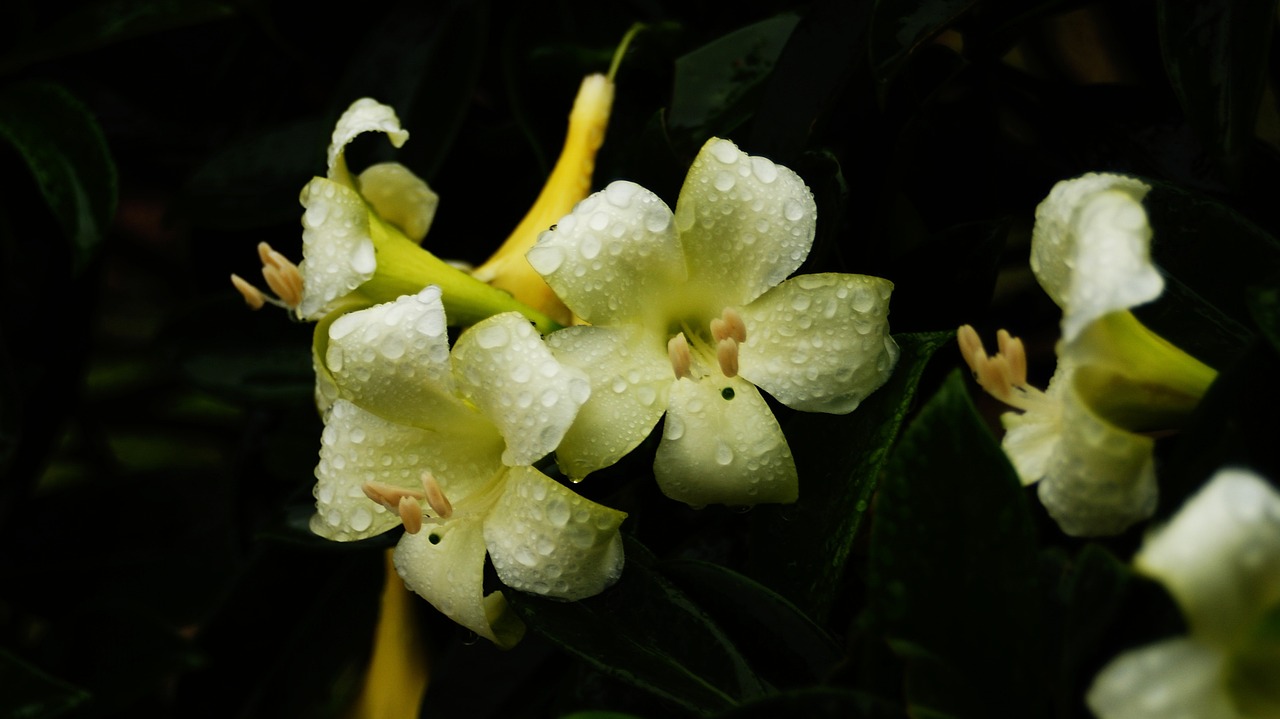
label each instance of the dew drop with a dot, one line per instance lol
(558, 512)
(724, 455)
(545, 259)
(793, 210)
(361, 519)
(657, 221)
(725, 152)
(590, 246)
(492, 336)
(724, 181)
(764, 170)
(363, 259)
(674, 428)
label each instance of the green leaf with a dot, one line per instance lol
(717, 86)
(782, 643)
(816, 703)
(900, 27)
(647, 633)
(1215, 53)
(953, 566)
(800, 550)
(1264, 305)
(29, 693)
(90, 26)
(67, 154)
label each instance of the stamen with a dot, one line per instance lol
(282, 276)
(410, 514)
(727, 356)
(252, 295)
(681, 360)
(729, 324)
(1003, 376)
(389, 495)
(435, 497)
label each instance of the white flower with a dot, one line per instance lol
(691, 312)
(1082, 439)
(1219, 557)
(443, 443)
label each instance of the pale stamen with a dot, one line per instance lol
(729, 324)
(727, 356)
(252, 295)
(410, 514)
(1003, 376)
(681, 358)
(282, 276)
(389, 495)
(435, 497)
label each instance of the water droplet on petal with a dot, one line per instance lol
(363, 259)
(545, 259)
(492, 336)
(724, 455)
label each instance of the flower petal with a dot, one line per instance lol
(445, 565)
(545, 539)
(721, 445)
(1219, 556)
(630, 377)
(1101, 480)
(614, 256)
(357, 447)
(820, 343)
(1091, 248)
(1031, 438)
(393, 359)
(746, 223)
(364, 115)
(337, 249)
(400, 197)
(505, 368)
(1172, 679)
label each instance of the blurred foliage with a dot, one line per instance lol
(157, 440)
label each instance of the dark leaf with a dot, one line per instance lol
(29, 693)
(900, 27)
(818, 703)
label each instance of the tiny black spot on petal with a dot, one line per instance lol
(727, 393)
(433, 538)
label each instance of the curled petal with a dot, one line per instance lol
(629, 383)
(505, 368)
(1220, 555)
(820, 343)
(1173, 679)
(400, 197)
(337, 248)
(444, 564)
(722, 445)
(393, 360)
(1101, 480)
(614, 257)
(1091, 249)
(545, 539)
(364, 115)
(746, 223)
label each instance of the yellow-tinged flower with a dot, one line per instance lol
(690, 312)
(1219, 557)
(361, 235)
(443, 443)
(1083, 438)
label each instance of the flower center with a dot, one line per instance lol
(282, 277)
(1003, 376)
(408, 502)
(692, 358)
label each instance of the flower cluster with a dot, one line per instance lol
(685, 314)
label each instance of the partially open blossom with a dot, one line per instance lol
(1085, 438)
(1219, 557)
(443, 443)
(361, 235)
(690, 312)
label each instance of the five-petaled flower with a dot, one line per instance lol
(443, 443)
(1219, 558)
(1084, 438)
(690, 313)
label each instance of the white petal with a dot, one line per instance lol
(358, 447)
(546, 540)
(1173, 679)
(393, 359)
(1091, 249)
(1219, 556)
(746, 224)
(400, 197)
(722, 445)
(614, 256)
(630, 376)
(505, 368)
(1031, 438)
(820, 343)
(337, 250)
(449, 573)
(1101, 479)
(364, 115)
